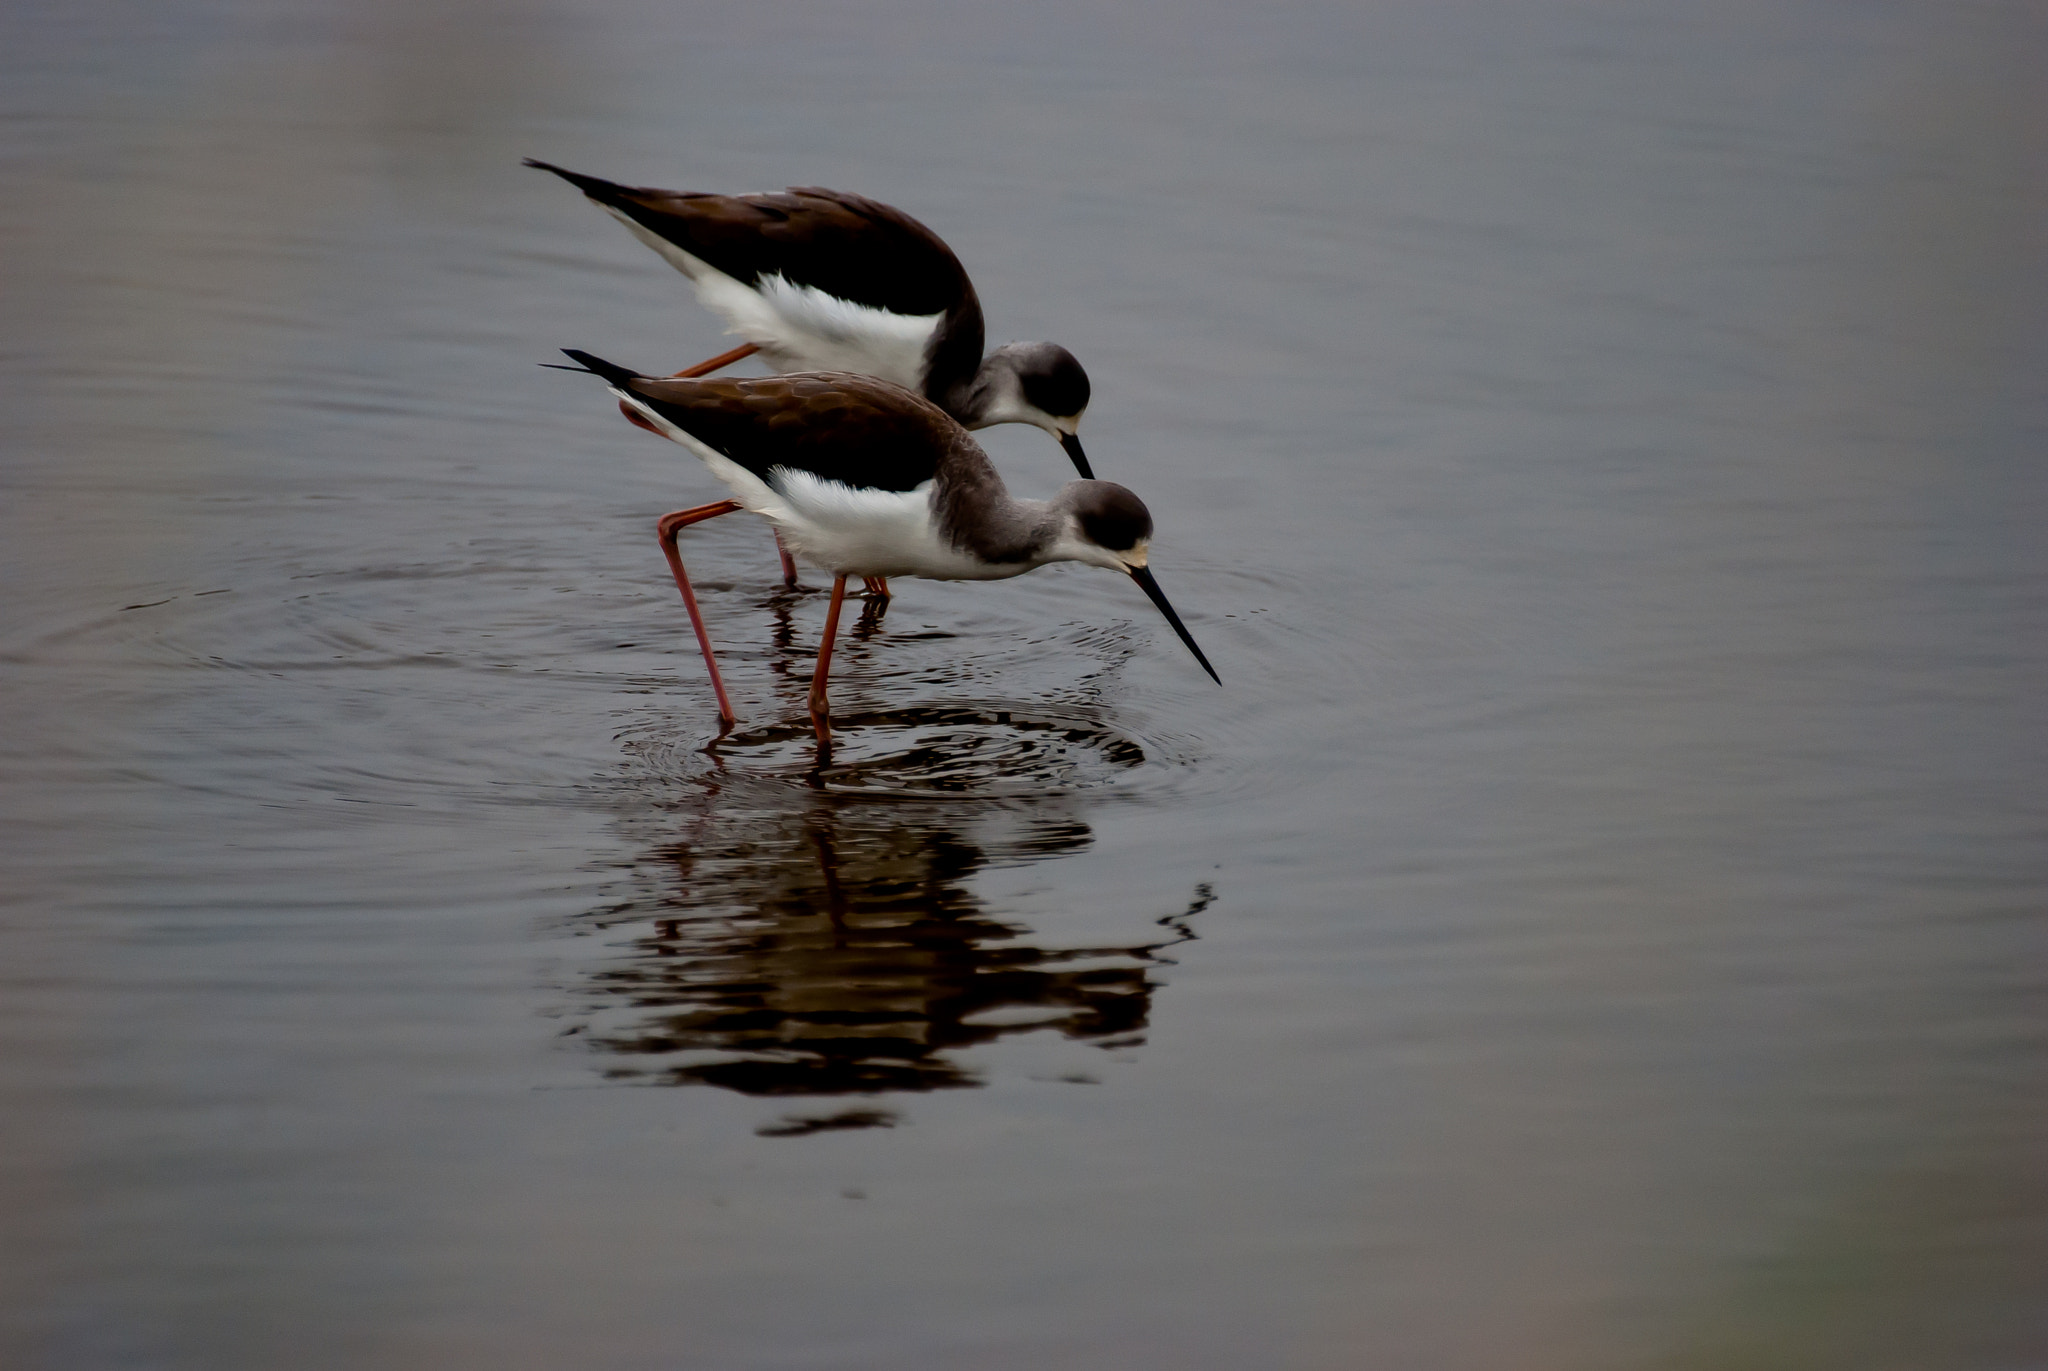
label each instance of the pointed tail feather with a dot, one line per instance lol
(597, 366)
(596, 187)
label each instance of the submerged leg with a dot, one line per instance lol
(669, 526)
(878, 586)
(723, 359)
(819, 706)
(870, 621)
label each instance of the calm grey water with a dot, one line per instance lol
(1600, 923)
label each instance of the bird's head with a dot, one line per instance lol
(1039, 384)
(1109, 527)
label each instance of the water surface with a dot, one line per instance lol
(1598, 923)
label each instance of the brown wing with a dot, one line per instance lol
(838, 426)
(845, 245)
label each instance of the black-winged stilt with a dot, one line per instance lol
(819, 280)
(863, 478)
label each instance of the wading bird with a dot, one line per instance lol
(819, 280)
(863, 478)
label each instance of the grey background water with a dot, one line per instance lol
(1598, 924)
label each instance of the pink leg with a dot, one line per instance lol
(819, 707)
(726, 359)
(669, 526)
(723, 359)
(788, 562)
(705, 368)
(878, 586)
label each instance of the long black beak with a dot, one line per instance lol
(1158, 597)
(1072, 443)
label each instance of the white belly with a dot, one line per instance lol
(873, 532)
(799, 328)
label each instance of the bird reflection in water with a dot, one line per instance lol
(817, 946)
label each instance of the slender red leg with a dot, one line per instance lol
(819, 719)
(723, 359)
(705, 368)
(788, 562)
(878, 586)
(669, 526)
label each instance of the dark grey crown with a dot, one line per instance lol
(1052, 380)
(1110, 516)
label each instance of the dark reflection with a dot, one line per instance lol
(804, 1126)
(806, 944)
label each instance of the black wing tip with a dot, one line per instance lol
(596, 366)
(563, 172)
(596, 187)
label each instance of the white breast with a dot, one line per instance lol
(873, 532)
(801, 328)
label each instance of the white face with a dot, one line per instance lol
(1012, 408)
(1075, 548)
(1008, 405)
